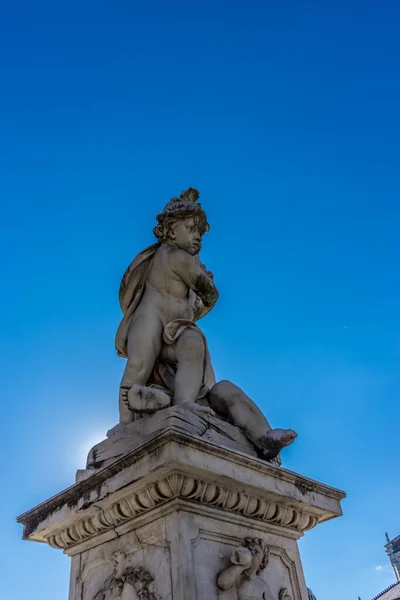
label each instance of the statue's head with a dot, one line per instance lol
(259, 552)
(183, 222)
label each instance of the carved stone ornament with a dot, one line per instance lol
(244, 574)
(127, 581)
(189, 489)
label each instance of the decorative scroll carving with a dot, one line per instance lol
(125, 575)
(186, 488)
(248, 562)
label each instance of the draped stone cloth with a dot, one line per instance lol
(131, 291)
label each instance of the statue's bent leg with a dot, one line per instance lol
(144, 345)
(231, 403)
(190, 352)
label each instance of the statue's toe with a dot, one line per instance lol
(123, 394)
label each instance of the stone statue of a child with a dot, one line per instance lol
(164, 291)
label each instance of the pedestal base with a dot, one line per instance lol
(161, 522)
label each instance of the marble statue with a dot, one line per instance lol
(244, 574)
(176, 502)
(164, 292)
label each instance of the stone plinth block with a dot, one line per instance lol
(180, 517)
(179, 419)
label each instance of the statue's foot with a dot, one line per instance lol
(276, 439)
(142, 399)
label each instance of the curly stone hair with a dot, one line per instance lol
(258, 546)
(181, 208)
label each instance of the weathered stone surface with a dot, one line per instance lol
(179, 419)
(178, 506)
(184, 553)
(172, 467)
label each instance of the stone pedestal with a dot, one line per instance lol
(161, 520)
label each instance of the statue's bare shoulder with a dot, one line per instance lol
(173, 259)
(175, 270)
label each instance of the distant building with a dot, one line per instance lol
(393, 551)
(391, 593)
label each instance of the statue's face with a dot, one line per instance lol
(186, 235)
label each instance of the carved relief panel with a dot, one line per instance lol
(184, 557)
(127, 582)
(246, 570)
(135, 566)
(244, 574)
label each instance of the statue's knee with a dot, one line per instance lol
(224, 389)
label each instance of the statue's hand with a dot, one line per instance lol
(241, 556)
(205, 411)
(208, 273)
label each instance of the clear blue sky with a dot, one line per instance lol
(286, 116)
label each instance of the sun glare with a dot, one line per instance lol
(83, 448)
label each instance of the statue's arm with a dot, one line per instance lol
(229, 576)
(198, 280)
(241, 560)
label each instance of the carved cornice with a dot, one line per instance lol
(87, 497)
(190, 489)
